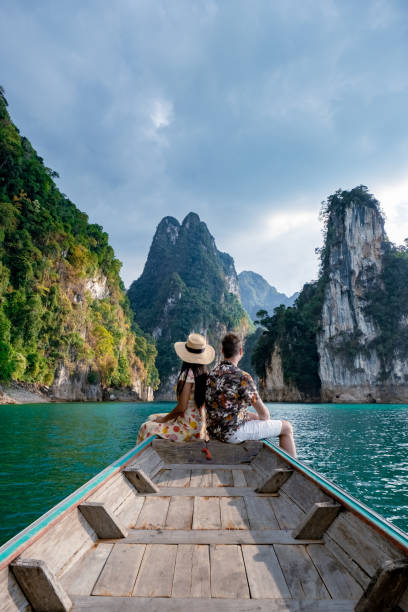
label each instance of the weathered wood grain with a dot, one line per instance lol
(207, 514)
(179, 477)
(213, 536)
(113, 493)
(228, 576)
(121, 568)
(12, 598)
(286, 511)
(339, 583)
(192, 572)
(102, 520)
(182, 571)
(314, 524)
(233, 513)
(274, 481)
(40, 586)
(154, 513)
(140, 480)
(212, 491)
(129, 511)
(386, 588)
(208, 465)
(346, 561)
(64, 543)
(300, 574)
(265, 577)
(156, 604)
(222, 478)
(200, 575)
(180, 513)
(155, 577)
(147, 461)
(238, 477)
(303, 491)
(196, 478)
(260, 513)
(81, 578)
(190, 452)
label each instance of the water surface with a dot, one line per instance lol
(49, 450)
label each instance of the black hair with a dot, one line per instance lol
(200, 381)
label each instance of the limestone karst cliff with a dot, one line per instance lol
(257, 294)
(187, 285)
(345, 338)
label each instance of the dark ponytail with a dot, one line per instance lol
(200, 381)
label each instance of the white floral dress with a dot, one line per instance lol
(185, 427)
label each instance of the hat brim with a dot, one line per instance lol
(204, 358)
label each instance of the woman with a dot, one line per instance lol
(187, 420)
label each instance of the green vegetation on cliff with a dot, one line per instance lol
(61, 297)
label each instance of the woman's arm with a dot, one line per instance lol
(181, 405)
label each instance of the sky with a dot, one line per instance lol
(249, 113)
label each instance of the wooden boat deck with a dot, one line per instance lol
(206, 540)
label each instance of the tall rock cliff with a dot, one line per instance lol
(345, 339)
(257, 294)
(65, 321)
(187, 286)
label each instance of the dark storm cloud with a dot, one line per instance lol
(249, 113)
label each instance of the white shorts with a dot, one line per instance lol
(256, 430)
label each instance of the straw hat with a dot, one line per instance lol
(195, 350)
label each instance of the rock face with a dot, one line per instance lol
(258, 294)
(273, 387)
(187, 286)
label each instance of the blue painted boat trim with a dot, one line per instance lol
(370, 516)
(9, 548)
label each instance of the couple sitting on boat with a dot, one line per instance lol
(215, 405)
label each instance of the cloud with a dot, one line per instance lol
(249, 114)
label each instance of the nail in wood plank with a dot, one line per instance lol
(119, 573)
(206, 513)
(180, 514)
(140, 480)
(300, 574)
(81, 578)
(40, 586)
(386, 587)
(274, 482)
(260, 513)
(319, 518)
(105, 524)
(153, 514)
(264, 573)
(233, 513)
(155, 577)
(228, 576)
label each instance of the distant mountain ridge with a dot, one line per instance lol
(258, 294)
(187, 285)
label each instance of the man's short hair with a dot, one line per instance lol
(231, 343)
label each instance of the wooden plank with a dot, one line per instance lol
(386, 588)
(121, 568)
(300, 574)
(147, 461)
(192, 572)
(190, 452)
(114, 492)
(206, 513)
(260, 513)
(266, 461)
(228, 576)
(233, 513)
(364, 545)
(222, 478)
(274, 481)
(206, 481)
(212, 536)
(346, 561)
(238, 477)
(64, 543)
(81, 578)
(162, 477)
(303, 491)
(314, 524)
(154, 513)
(11, 596)
(40, 586)
(155, 577)
(180, 514)
(178, 478)
(265, 577)
(140, 480)
(102, 520)
(205, 466)
(212, 491)
(254, 478)
(157, 604)
(196, 478)
(339, 583)
(286, 511)
(129, 511)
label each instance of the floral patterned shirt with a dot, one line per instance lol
(230, 391)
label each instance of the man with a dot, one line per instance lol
(230, 392)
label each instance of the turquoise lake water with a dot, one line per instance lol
(49, 450)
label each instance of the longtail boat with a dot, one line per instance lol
(164, 529)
